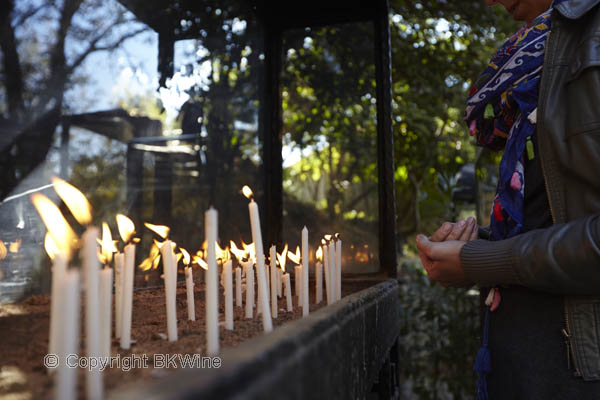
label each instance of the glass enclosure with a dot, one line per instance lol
(160, 155)
(330, 139)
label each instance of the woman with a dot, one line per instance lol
(538, 101)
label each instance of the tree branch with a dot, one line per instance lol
(93, 47)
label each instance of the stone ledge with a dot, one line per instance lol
(334, 353)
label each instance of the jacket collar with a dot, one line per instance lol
(575, 9)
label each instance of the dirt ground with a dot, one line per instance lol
(24, 331)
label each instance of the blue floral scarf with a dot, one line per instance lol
(501, 113)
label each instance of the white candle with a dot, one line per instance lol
(305, 305)
(106, 278)
(127, 300)
(279, 282)
(327, 277)
(189, 286)
(91, 268)
(338, 268)
(68, 342)
(212, 283)
(273, 269)
(260, 266)
(169, 276)
(248, 267)
(332, 272)
(238, 286)
(298, 283)
(288, 291)
(228, 295)
(258, 300)
(59, 268)
(119, 263)
(319, 283)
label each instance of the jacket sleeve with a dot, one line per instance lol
(563, 259)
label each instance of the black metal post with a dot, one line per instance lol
(385, 142)
(271, 122)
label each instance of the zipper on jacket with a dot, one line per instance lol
(566, 331)
(571, 365)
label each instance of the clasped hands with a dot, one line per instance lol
(440, 253)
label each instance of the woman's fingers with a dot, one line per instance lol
(475, 233)
(468, 231)
(442, 233)
(457, 230)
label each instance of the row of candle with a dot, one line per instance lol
(98, 283)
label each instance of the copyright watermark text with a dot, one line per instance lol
(132, 361)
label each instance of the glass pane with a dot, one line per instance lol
(329, 140)
(161, 155)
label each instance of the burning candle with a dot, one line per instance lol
(288, 291)
(59, 268)
(91, 268)
(295, 258)
(327, 276)
(212, 283)
(338, 266)
(332, 271)
(260, 261)
(228, 295)
(169, 275)
(282, 258)
(249, 271)
(273, 269)
(298, 283)
(119, 265)
(189, 285)
(66, 378)
(238, 286)
(319, 277)
(106, 283)
(279, 282)
(58, 244)
(305, 305)
(126, 231)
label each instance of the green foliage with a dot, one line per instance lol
(439, 48)
(439, 337)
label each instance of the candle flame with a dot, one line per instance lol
(108, 245)
(153, 257)
(75, 200)
(55, 222)
(327, 237)
(222, 254)
(201, 262)
(247, 191)
(49, 244)
(295, 257)
(249, 249)
(282, 258)
(160, 230)
(186, 256)
(338, 236)
(323, 242)
(237, 252)
(320, 253)
(125, 226)
(14, 246)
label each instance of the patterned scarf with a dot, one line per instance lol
(501, 113)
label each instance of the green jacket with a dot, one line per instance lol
(565, 258)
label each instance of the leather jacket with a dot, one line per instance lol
(564, 258)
